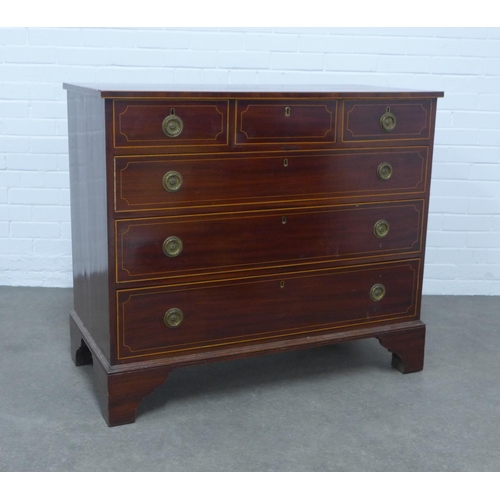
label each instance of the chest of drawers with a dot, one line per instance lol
(215, 223)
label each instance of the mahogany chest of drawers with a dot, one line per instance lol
(215, 223)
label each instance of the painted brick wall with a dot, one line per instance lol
(463, 255)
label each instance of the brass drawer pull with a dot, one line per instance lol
(172, 125)
(381, 228)
(172, 246)
(388, 121)
(384, 171)
(173, 317)
(172, 181)
(377, 292)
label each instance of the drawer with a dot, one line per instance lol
(290, 121)
(163, 183)
(148, 124)
(166, 247)
(175, 319)
(386, 120)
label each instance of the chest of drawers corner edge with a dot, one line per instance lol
(215, 223)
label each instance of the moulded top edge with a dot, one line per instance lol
(247, 91)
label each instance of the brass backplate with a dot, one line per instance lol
(173, 317)
(388, 121)
(172, 246)
(172, 126)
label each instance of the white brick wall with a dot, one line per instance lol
(463, 255)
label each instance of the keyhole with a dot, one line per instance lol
(285, 162)
(172, 111)
(283, 220)
(282, 284)
(287, 111)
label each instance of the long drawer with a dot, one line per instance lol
(161, 247)
(160, 183)
(175, 319)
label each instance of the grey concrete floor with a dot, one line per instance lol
(335, 408)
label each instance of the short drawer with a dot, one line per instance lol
(146, 124)
(164, 183)
(177, 319)
(287, 121)
(386, 120)
(165, 247)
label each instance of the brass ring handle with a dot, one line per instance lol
(173, 317)
(172, 246)
(172, 181)
(381, 228)
(384, 171)
(388, 121)
(172, 125)
(377, 292)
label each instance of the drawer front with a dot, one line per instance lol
(172, 320)
(145, 184)
(163, 247)
(386, 120)
(144, 124)
(264, 122)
